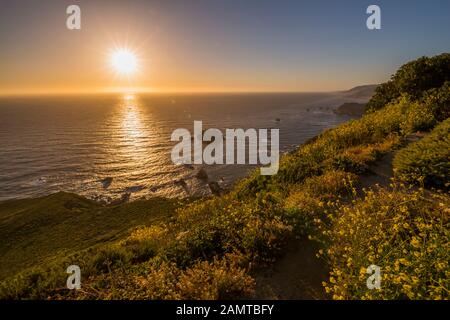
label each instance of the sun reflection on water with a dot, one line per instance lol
(129, 97)
(132, 126)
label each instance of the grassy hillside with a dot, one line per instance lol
(211, 248)
(33, 231)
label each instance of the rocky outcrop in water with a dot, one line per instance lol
(201, 174)
(106, 182)
(134, 189)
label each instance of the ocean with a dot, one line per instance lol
(104, 146)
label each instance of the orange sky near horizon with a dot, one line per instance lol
(178, 51)
(210, 46)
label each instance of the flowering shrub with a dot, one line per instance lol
(156, 279)
(406, 233)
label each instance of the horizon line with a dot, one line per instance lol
(16, 93)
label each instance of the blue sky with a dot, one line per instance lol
(232, 45)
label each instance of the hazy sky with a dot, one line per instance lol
(209, 45)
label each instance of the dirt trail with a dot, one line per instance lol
(381, 172)
(298, 275)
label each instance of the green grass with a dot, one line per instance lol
(35, 231)
(427, 161)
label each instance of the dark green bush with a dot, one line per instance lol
(412, 79)
(142, 251)
(384, 93)
(109, 257)
(438, 100)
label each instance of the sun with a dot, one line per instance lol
(124, 61)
